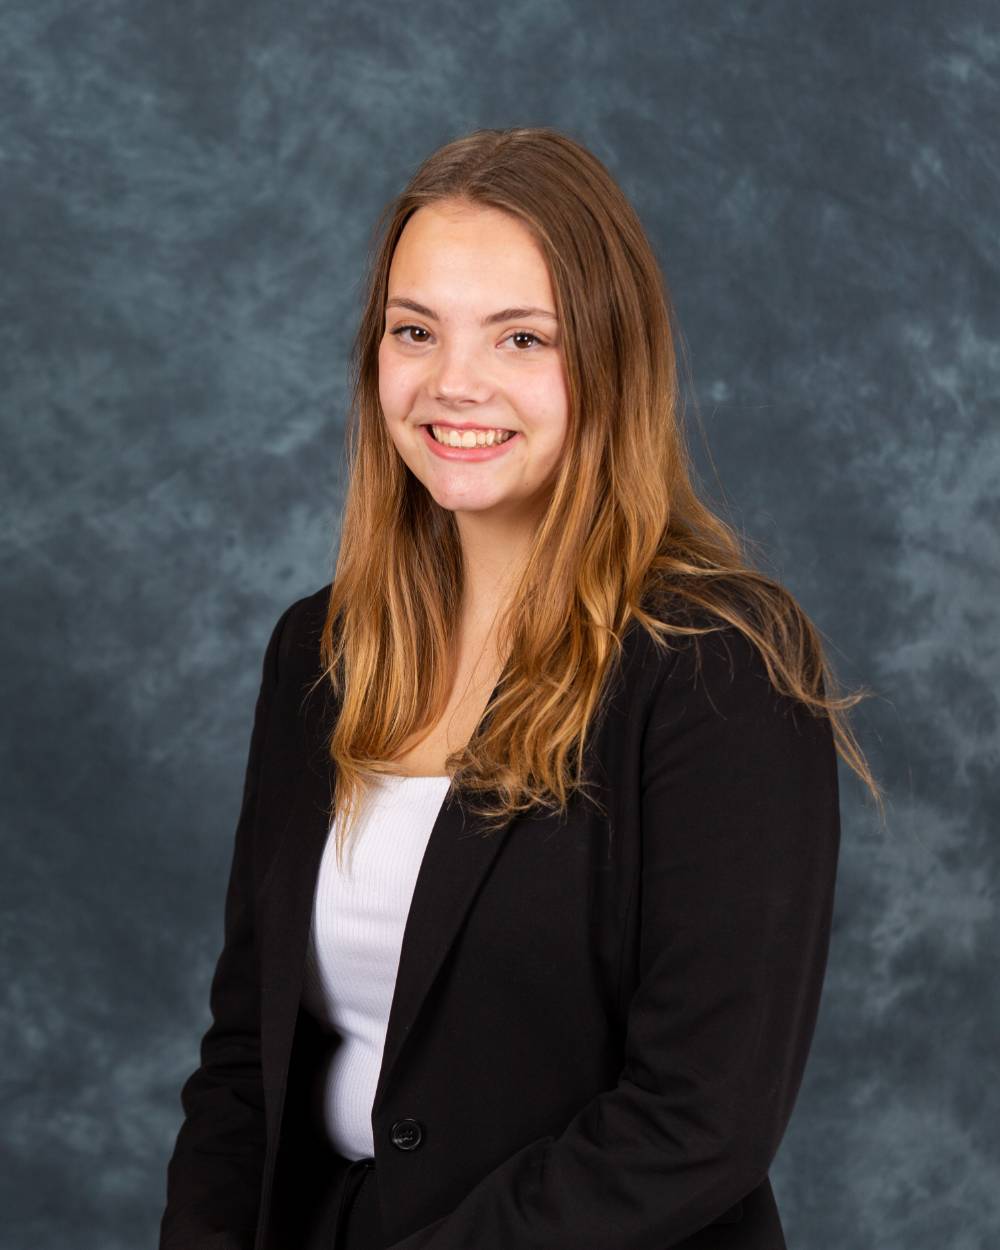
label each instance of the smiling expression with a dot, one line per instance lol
(471, 341)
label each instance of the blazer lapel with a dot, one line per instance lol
(456, 862)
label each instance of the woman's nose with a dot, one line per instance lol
(458, 373)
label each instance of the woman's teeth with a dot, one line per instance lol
(469, 438)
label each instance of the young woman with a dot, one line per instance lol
(560, 993)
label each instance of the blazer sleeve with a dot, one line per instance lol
(214, 1175)
(740, 840)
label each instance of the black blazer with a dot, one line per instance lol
(599, 1027)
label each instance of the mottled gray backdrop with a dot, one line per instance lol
(187, 192)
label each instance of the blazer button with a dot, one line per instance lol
(407, 1134)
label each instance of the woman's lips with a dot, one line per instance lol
(468, 453)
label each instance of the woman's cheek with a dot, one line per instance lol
(398, 387)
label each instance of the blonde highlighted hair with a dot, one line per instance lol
(624, 519)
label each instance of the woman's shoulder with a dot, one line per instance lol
(716, 671)
(711, 636)
(714, 693)
(296, 635)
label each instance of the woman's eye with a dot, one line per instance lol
(399, 330)
(526, 334)
(515, 334)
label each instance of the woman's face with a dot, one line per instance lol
(471, 340)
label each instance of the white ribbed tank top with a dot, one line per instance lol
(356, 934)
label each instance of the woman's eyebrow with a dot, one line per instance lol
(505, 314)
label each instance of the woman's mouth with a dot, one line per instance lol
(485, 452)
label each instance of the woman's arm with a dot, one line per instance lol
(740, 840)
(214, 1175)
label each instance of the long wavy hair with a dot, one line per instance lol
(624, 520)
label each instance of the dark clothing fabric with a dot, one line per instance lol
(362, 1226)
(600, 1023)
(349, 1219)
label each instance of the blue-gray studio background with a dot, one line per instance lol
(186, 194)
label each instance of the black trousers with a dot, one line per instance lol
(351, 1221)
